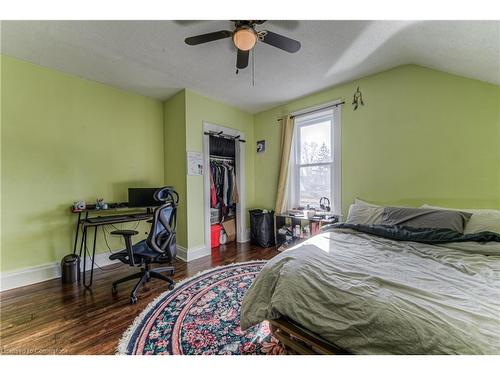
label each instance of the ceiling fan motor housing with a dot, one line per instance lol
(245, 37)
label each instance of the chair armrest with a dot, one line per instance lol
(125, 232)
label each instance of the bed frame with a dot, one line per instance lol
(298, 340)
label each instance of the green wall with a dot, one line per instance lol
(422, 136)
(184, 117)
(64, 139)
(199, 109)
(175, 157)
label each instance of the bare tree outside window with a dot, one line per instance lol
(315, 160)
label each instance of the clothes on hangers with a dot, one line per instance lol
(224, 191)
(213, 193)
(235, 196)
(225, 188)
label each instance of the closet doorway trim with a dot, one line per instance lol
(242, 235)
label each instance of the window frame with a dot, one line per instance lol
(328, 114)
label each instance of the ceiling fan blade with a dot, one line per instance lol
(210, 37)
(242, 59)
(281, 42)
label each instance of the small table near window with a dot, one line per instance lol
(285, 226)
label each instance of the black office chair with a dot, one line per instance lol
(159, 247)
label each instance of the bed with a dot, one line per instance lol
(356, 289)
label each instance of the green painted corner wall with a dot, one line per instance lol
(63, 139)
(175, 157)
(423, 136)
(184, 117)
(199, 109)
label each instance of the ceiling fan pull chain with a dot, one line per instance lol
(253, 67)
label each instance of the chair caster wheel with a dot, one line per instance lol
(114, 289)
(133, 300)
(171, 286)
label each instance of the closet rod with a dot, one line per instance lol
(222, 135)
(223, 158)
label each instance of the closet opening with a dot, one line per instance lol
(224, 186)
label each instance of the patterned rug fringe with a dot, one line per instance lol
(123, 343)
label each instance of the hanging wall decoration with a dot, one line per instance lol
(261, 146)
(357, 99)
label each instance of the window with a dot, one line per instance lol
(315, 160)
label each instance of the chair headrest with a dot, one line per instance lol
(166, 194)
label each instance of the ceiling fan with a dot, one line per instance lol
(245, 38)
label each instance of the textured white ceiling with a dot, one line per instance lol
(150, 57)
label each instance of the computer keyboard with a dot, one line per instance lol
(115, 218)
(101, 219)
(141, 216)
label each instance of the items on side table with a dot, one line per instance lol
(294, 227)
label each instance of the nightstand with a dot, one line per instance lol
(286, 230)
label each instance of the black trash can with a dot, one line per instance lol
(70, 269)
(262, 228)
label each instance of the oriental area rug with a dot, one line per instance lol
(201, 316)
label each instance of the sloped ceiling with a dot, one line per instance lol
(151, 58)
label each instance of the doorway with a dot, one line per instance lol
(238, 160)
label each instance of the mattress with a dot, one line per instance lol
(373, 295)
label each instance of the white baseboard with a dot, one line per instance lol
(29, 275)
(44, 272)
(246, 236)
(193, 253)
(181, 253)
(49, 271)
(101, 260)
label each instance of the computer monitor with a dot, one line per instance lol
(142, 197)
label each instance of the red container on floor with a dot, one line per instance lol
(215, 234)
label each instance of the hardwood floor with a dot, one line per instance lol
(51, 318)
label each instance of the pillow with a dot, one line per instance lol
(361, 202)
(471, 210)
(482, 222)
(425, 218)
(482, 219)
(362, 214)
(485, 248)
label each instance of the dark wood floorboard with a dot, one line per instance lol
(51, 318)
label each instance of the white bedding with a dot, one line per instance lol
(372, 295)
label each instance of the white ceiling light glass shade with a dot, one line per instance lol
(245, 38)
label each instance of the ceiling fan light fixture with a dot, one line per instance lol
(245, 38)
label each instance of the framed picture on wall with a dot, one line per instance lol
(261, 146)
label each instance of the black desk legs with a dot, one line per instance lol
(85, 225)
(83, 251)
(92, 259)
(77, 232)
